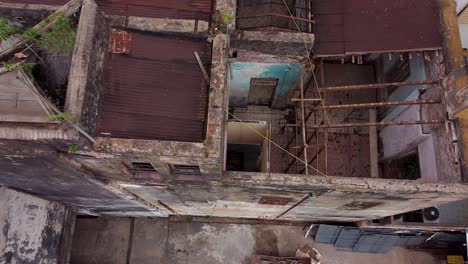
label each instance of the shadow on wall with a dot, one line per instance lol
(160, 241)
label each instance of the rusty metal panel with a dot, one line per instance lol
(177, 9)
(39, 2)
(329, 27)
(274, 200)
(156, 92)
(120, 41)
(367, 26)
(279, 260)
(391, 25)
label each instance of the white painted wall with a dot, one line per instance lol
(398, 141)
(461, 4)
(464, 35)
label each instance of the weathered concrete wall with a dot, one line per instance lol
(83, 58)
(31, 228)
(96, 40)
(341, 199)
(100, 185)
(162, 241)
(45, 170)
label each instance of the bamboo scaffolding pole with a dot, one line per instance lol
(369, 124)
(375, 85)
(304, 131)
(381, 104)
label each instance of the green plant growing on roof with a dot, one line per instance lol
(227, 17)
(60, 38)
(13, 67)
(73, 148)
(7, 29)
(60, 117)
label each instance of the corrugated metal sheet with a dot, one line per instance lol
(347, 239)
(156, 92)
(365, 26)
(327, 234)
(375, 243)
(39, 2)
(177, 9)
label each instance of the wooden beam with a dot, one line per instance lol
(202, 67)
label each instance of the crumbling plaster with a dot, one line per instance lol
(185, 26)
(31, 228)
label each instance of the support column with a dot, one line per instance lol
(456, 83)
(373, 144)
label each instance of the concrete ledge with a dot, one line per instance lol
(167, 25)
(29, 6)
(349, 183)
(153, 147)
(31, 132)
(82, 55)
(275, 43)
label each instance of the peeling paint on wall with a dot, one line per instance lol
(242, 73)
(31, 228)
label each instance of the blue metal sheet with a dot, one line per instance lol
(375, 243)
(348, 238)
(327, 234)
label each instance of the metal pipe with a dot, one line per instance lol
(375, 85)
(382, 104)
(369, 124)
(305, 198)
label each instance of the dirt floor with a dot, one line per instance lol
(124, 240)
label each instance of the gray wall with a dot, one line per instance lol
(161, 241)
(30, 228)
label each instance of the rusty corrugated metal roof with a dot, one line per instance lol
(40, 2)
(176, 9)
(157, 91)
(366, 26)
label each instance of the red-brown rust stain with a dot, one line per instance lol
(120, 42)
(274, 200)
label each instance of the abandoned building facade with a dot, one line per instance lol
(328, 111)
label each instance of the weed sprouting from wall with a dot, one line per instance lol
(60, 38)
(7, 29)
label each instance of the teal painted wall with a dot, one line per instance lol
(241, 73)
